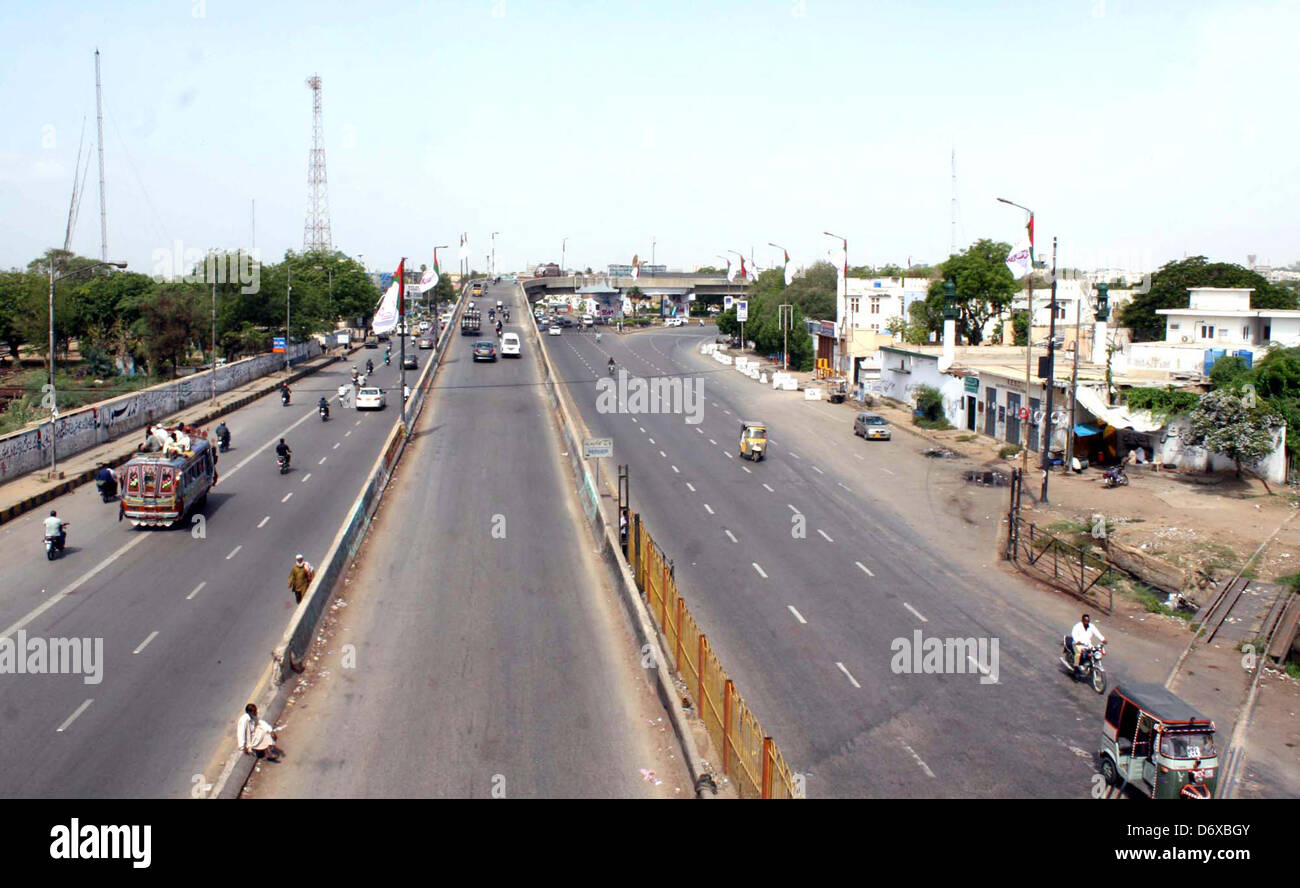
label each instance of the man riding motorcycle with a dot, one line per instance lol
(54, 529)
(611, 365)
(324, 406)
(282, 450)
(223, 436)
(370, 366)
(388, 356)
(285, 393)
(1082, 635)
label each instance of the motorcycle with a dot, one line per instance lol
(223, 442)
(54, 545)
(1115, 477)
(388, 358)
(1090, 668)
(107, 489)
(324, 411)
(282, 462)
(284, 397)
(370, 367)
(611, 369)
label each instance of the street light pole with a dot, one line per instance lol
(493, 264)
(563, 265)
(848, 325)
(1029, 325)
(288, 292)
(1051, 378)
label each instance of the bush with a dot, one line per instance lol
(936, 425)
(1009, 451)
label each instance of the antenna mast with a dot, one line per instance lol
(316, 232)
(103, 205)
(952, 238)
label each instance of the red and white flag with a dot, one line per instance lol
(636, 267)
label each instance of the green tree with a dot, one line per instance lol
(1225, 421)
(170, 318)
(1020, 322)
(814, 291)
(985, 288)
(1229, 371)
(1169, 286)
(20, 299)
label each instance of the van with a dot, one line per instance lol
(588, 320)
(510, 345)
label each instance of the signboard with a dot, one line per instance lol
(972, 383)
(277, 345)
(742, 309)
(726, 302)
(343, 338)
(597, 448)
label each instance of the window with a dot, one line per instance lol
(1173, 325)
(1207, 331)
(1223, 332)
(853, 304)
(1060, 312)
(875, 305)
(1245, 333)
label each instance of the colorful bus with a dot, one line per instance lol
(159, 490)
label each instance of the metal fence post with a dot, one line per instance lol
(663, 593)
(767, 767)
(727, 690)
(680, 606)
(636, 561)
(699, 674)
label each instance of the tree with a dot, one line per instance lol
(20, 298)
(1227, 422)
(170, 318)
(1277, 381)
(814, 291)
(1169, 286)
(985, 288)
(1229, 371)
(1020, 322)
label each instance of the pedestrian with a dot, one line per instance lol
(256, 737)
(300, 577)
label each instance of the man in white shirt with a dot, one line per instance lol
(54, 528)
(255, 735)
(1082, 635)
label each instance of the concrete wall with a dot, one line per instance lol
(28, 450)
(1174, 450)
(903, 373)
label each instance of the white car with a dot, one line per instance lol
(556, 330)
(424, 325)
(371, 399)
(510, 345)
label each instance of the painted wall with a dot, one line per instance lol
(28, 450)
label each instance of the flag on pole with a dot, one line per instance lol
(436, 270)
(731, 272)
(789, 272)
(401, 289)
(744, 274)
(1021, 258)
(463, 253)
(636, 267)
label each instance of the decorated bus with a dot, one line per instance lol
(160, 487)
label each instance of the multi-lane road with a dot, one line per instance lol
(807, 571)
(188, 616)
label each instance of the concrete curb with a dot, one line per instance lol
(72, 482)
(573, 431)
(272, 691)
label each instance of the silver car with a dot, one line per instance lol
(872, 425)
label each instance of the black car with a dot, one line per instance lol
(372, 343)
(485, 350)
(410, 363)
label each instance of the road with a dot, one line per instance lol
(807, 569)
(187, 621)
(490, 656)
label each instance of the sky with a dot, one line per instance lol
(1139, 132)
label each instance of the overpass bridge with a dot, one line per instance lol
(674, 287)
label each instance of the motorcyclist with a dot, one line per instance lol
(282, 450)
(343, 394)
(1082, 635)
(388, 355)
(370, 366)
(611, 365)
(498, 328)
(106, 481)
(324, 406)
(54, 527)
(354, 373)
(285, 392)
(223, 435)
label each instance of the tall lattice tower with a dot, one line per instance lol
(316, 232)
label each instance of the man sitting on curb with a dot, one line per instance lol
(256, 736)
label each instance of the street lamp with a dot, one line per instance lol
(493, 263)
(1029, 323)
(563, 247)
(848, 325)
(54, 402)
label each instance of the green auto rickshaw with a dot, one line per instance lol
(1158, 743)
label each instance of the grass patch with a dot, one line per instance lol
(1291, 579)
(1009, 451)
(74, 391)
(934, 425)
(1154, 602)
(1292, 669)
(964, 438)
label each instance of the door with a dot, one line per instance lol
(1013, 418)
(1033, 429)
(970, 413)
(991, 412)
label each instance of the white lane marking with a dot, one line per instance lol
(795, 455)
(845, 486)
(769, 489)
(322, 460)
(924, 766)
(714, 443)
(336, 446)
(285, 498)
(642, 428)
(143, 644)
(792, 508)
(715, 403)
(358, 422)
(771, 440)
(729, 454)
(864, 568)
(825, 535)
(818, 471)
(196, 590)
(798, 616)
(675, 469)
(885, 470)
(849, 674)
(916, 613)
(234, 551)
(691, 486)
(859, 456)
(759, 569)
(701, 431)
(305, 477)
(728, 412)
(731, 536)
(708, 508)
(72, 718)
(71, 587)
(747, 471)
(664, 455)
(262, 523)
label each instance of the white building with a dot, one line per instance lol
(874, 302)
(1221, 317)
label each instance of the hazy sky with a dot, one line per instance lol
(1138, 131)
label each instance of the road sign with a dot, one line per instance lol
(726, 302)
(277, 345)
(742, 309)
(597, 448)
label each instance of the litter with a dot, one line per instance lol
(649, 777)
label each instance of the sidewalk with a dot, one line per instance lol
(31, 490)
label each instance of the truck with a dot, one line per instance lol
(470, 321)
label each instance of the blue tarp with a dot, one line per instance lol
(1083, 430)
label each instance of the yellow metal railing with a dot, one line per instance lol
(748, 756)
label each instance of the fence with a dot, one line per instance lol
(749, 757)
(1063, 564)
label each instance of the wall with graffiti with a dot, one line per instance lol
(27, 451)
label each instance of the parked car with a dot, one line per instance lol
(372, 342)
(410, 363)
(872, 426)
(485, 350)
(555, 330)
(510, 345)
(371, 399)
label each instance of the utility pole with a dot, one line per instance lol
(847, 324)
(213, 391)
(103, 200)
(288, 292)
(785, 315)
(1074, 385)
(316, 237)
(1051, 380)
(401, 341)
(1029, 307)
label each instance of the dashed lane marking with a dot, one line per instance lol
(152, 636)
(845, 670)
(196, 590)
(798, 616)
(73, 717)
(824, 534)
(864, 568)
(916, 613)
(234, 551)
(760, 570)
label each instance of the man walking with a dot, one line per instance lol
(255, 735)
(300, 577)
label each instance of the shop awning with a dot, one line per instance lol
(1118, 417)
(1082, 430)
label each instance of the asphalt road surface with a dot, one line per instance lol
(490, 657)
(187, 623)
(812, 570)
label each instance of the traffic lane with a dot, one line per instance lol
(523, 669)
(204, 633)
(834, 616)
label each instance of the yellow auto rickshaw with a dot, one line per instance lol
(753, 440)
